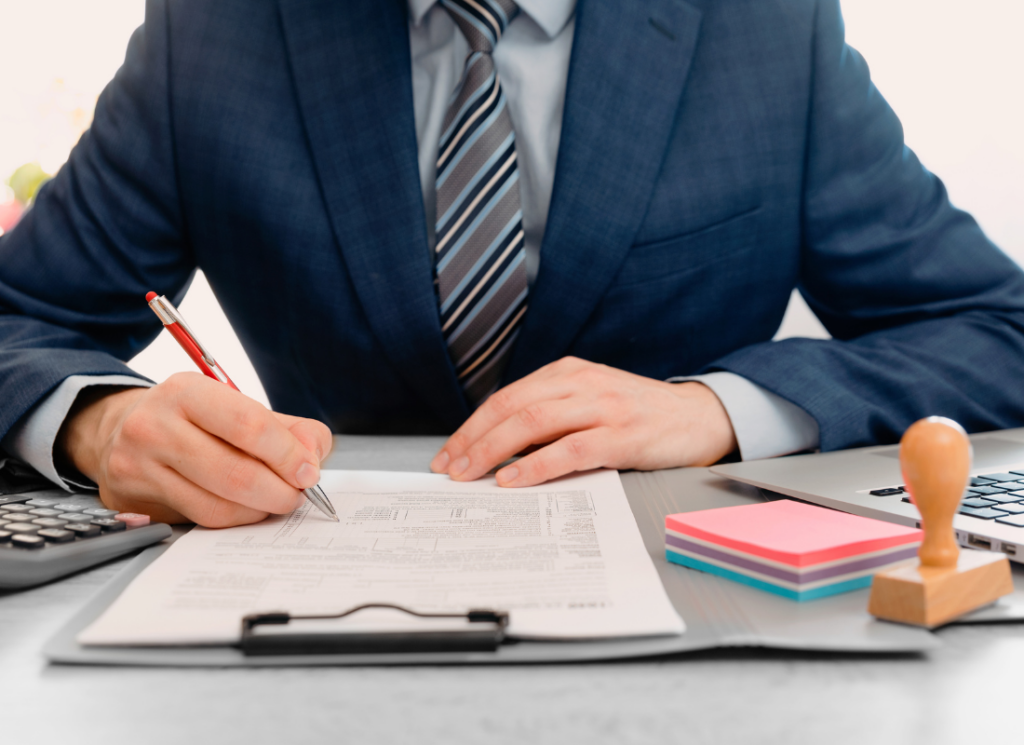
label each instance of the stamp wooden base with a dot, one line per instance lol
(931, 596)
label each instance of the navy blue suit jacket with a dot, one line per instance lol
(715, 154)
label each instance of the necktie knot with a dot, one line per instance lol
(482, 22)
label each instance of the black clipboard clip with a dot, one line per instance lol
(486, 635)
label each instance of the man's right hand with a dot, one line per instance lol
(192, 450)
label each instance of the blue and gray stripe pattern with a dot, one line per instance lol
(479, 256)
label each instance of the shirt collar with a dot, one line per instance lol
(550, 15)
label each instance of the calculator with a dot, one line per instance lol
(47, 533)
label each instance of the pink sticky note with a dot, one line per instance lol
(791, 532)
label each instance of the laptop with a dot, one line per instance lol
(867, 481)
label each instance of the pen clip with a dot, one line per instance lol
(168, 314)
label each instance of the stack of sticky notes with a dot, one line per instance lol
(793, 549)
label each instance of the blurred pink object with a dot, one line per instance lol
(10, 212)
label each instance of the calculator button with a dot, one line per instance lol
(4, 522)
(82, 530)
(17, 517)
(27, 541)
(56, 535)
(42, 502)
(78, 517)
(71, 506)
(5, 536)
(22, 528)
(18, 508)
(45, 512)
(109, 525)
(49, 522)
(133, 519)
(100, 512)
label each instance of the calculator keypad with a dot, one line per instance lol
(35, 523)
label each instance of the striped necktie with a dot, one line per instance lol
(480, 261)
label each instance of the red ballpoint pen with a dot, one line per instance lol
(175, 324)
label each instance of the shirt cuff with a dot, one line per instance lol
(766, 425)
(32, 439)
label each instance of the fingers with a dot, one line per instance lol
(250, 427)
(219, 469)
(190, 501)
(580, 451)
(552, 382)
(535, 423)
(194, 448)
(314, 435)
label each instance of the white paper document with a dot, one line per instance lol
(565, 559)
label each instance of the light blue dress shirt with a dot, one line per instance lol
(532, 61)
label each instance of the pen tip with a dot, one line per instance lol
(335, 518)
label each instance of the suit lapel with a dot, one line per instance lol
(350, 60)
(629, 63)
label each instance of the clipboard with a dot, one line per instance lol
(718, 613)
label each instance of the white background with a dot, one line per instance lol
(953, 71)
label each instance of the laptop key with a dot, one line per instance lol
(979, 481)
(985, 513)
(977, 502)
(986, 490)
(1000, 476)
(1016, 521)
(886, 492)
(1013, 509)
(1003, 498)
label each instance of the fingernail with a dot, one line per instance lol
(507, 475)
(440, 462)
(307, 475)
(320, 454)
(459, 466)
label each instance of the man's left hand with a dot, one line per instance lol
(587, 416)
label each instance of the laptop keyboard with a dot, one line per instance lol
(991, 496)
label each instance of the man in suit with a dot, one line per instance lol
(568, 224)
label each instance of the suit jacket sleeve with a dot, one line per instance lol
(74, 272)
(925, 312)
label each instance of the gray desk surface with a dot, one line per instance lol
(967, 690)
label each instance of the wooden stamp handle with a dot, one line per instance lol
(935, 456)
